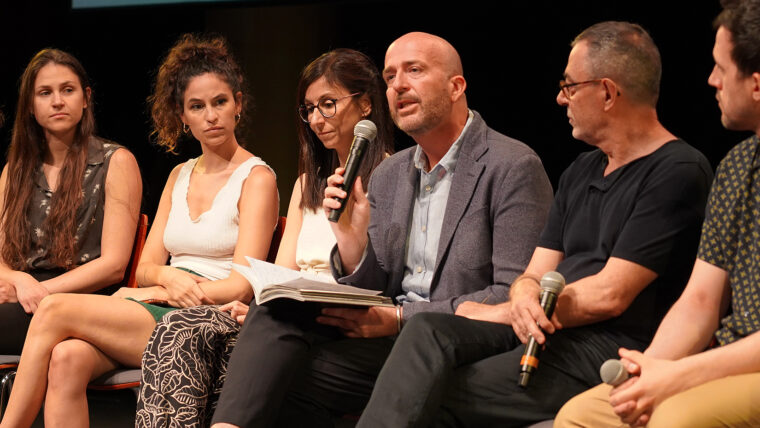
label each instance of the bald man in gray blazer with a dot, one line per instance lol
(450, 220)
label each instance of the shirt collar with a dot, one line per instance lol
(756, 160)
(95, 152)
(95, 156)
(449, 161)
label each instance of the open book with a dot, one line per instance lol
(271, 282)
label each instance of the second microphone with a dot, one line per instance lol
(364, 133)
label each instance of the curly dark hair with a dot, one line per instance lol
(356, 72)
(191, 56)
(742, 19)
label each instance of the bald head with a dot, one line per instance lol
(425, 86)
(437, 50)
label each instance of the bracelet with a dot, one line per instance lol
(398, 318)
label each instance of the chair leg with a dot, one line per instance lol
(5, 390)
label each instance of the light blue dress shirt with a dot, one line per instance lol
(427, 221)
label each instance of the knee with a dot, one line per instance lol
(52, 308)
(588, 409)
(424, 322)
(432, 324)
(69, 365)
(570, 415)
(675, 413)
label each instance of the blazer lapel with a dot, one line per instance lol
(401, 217)
(466, 176)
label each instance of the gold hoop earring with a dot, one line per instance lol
(237, 118)
(185, 128)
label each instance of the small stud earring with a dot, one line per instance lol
(237, 118)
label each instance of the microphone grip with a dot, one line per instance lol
(548, 302)
(529, 360)
(355, 157)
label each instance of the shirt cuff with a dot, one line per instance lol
(338, 266)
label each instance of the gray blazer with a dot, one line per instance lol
(497, 206)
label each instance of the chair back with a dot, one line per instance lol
(276, 238)
(130, 278)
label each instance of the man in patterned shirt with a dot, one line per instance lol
(673, 383)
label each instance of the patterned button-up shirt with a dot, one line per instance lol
(731, 237)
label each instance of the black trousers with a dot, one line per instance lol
(14, 322)
(287, 370)
(451, 371)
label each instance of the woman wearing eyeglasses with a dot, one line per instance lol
(185, 363)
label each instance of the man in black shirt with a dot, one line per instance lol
(623, 230)
(676, 383)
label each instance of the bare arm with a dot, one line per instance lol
(673, 362)
(689, 325)
(121, 211)
(525, 287)
(154, 255)
(258, 207)
(286, 254)
(351, 229)
(588, 300)
(18, 286)
(604, 295)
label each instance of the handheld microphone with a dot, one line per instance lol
(613, 373)
(552, 284)
(364, 133)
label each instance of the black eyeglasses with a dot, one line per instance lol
(327, 107)
(565, 87)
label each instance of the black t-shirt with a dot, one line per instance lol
(648, 212)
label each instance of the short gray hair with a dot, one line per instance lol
(625, 53)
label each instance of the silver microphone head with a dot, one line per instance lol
(613, 373)
(552, 282)
(366, 129)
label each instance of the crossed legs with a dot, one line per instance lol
(72, 339)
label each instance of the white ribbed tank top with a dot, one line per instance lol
(207, 244)
(315, 241)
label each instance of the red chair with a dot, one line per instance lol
(274, 246)
(130, 277)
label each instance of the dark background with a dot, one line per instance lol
(513, 54)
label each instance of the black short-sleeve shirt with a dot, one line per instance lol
(731, 237)
(648, 212)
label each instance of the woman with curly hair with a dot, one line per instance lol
(185, 363)
(69, 201)
(214, 210)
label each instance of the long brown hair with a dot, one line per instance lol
(357, 73)
(191, 56)
(25, 154)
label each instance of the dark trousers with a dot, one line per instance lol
(451, 371)
(287, 370)
(14, 322)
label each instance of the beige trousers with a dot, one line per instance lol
(733, 401)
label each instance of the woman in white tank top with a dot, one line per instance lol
(336, 91)
(214, 210)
